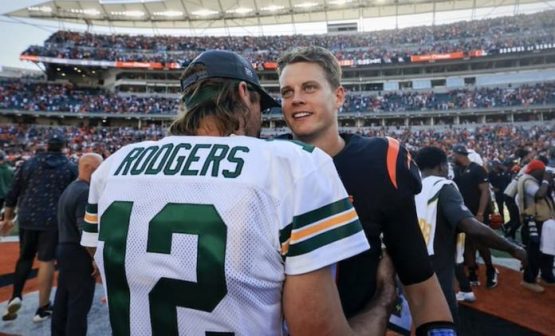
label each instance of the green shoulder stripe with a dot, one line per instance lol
(325, 238)
(92, 208)
(90, 228)
(321, 213)
(285, 233)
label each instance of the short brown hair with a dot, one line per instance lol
(318, 55)
(216, 97)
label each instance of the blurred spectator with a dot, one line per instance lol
(6, 177)
(499, 178)
(535, 200)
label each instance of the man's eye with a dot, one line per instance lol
(286, 93)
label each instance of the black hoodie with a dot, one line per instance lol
(37, 186)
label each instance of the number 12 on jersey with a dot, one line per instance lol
(167, 294)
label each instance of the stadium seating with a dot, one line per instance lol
(486, 36)
(492, 142)
(44, 96)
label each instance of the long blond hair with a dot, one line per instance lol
(218, 97)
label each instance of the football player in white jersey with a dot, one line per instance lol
(211, 231)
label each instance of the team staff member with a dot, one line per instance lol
(499, 178)
(441, 208)
(381, 180)
(472, 180)
(76, 278)
(238, 230)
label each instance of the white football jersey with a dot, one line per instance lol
(195, 235)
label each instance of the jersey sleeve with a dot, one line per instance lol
(399, 222)
(404, 241)
(452, 205)
(401, 169)
(89, 236)
(322, 226)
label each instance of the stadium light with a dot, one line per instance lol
(90, 11)
(240, 10)
(204, 12)
(44, 9)
(339, 2)
(128, 13)
(119, 2)
(169, 13)
(306, 5)
(272, 8)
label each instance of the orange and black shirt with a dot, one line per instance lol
(381, 179)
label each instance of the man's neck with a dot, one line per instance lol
(331, 144)
(429, 172)
(84, 179)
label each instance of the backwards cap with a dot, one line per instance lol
(226, 64)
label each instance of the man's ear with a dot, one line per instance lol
(339, 96)
(244, 92)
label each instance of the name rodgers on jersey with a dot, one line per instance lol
(184, 159)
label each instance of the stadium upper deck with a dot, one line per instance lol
(410, 45)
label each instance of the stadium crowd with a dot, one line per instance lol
(484, 97)
(40, 96)
(489, 35)
(33, 96)
(492, 142)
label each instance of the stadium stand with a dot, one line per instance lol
(52, 97)
(493, 142)
(489, 36)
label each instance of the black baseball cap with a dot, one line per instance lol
(460, 149)
(55, 138)
(227, 64)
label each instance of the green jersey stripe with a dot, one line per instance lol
(92, 208)
(285, 233)
(324, 212)
(91, 228)
(325, 238)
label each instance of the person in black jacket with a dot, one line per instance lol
(499, 178)
(473, 183)
(36, 188)
(76, 278)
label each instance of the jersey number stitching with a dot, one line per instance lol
(196, 219)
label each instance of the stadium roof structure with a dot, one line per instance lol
(206, 14)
